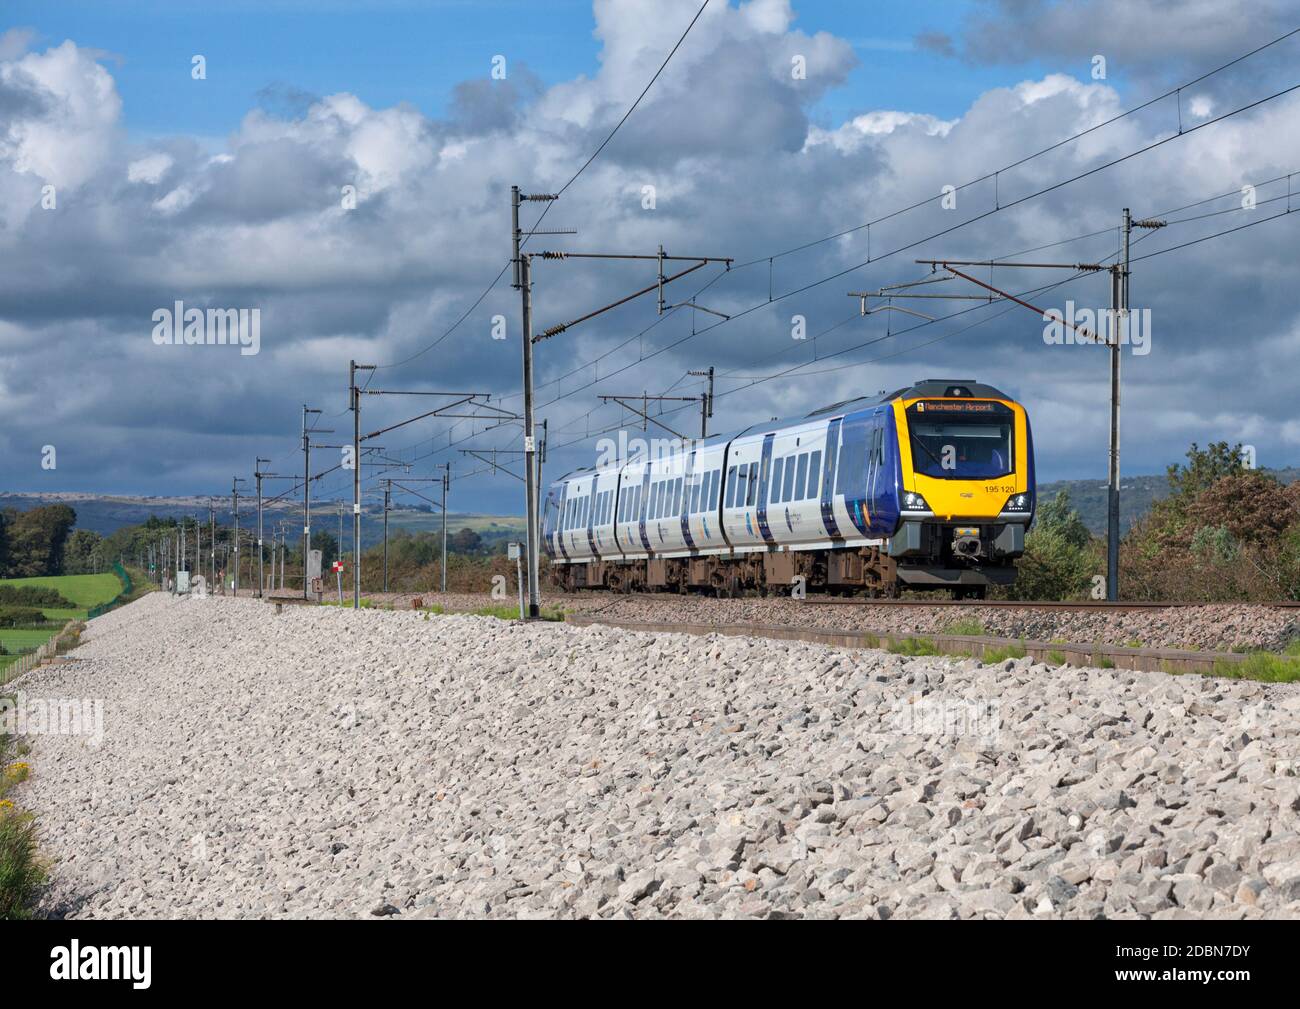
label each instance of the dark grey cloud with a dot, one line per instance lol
(1139, 38)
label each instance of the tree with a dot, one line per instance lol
(464, 541)
(1058, 516)
(1205, 467)
(1058, 562)
(328, 547)
(35, 541)
(80, 550)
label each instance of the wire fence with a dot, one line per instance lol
(117, 600)
(59, 643)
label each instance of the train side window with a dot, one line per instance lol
(787, 484)
(815, 475)
(851, 474)
(801, 476)
(731, 486)
(677, 496)
(742, 478)
(695, 493)
(775, 496)
(752, 496)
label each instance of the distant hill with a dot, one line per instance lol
(106, 513)
(1136, 496)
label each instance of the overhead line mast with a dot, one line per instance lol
(1119, 273)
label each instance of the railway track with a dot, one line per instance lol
(1100, 605)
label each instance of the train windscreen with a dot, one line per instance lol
(961, 439)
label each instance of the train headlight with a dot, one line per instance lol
(913, 502)
(1018, 503)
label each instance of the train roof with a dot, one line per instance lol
(927, 388)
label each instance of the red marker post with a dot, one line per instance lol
(338, 571)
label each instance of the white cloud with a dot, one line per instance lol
(728, 139)
(149, 169)
(73, 143)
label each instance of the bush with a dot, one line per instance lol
(20, 616)
(34, 595)
(1224, 534)
(995, 655)
(1052, 567)
(914, 646)
(21, 874)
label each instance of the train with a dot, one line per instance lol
(927, 487)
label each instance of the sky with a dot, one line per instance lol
(344, 169)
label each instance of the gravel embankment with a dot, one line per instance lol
(1218, 627)
(332, 763)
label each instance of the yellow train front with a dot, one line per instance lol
(965, 486)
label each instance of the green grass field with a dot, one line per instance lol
(13, 640)
(84, 590)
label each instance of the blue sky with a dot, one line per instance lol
(386, 52)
